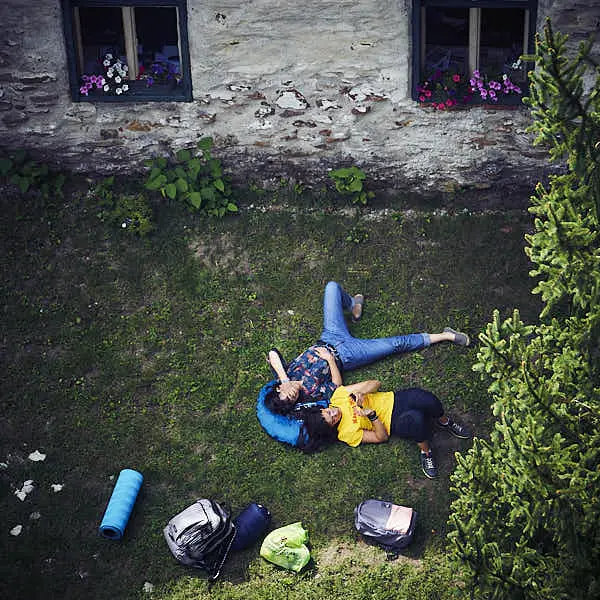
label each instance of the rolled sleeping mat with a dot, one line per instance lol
(121, 504)
(250, 524)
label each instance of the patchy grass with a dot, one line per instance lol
(147, 353)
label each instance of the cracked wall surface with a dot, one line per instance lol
(286, 90)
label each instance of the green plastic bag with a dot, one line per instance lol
(286, 548)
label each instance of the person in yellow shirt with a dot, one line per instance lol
(362, 415)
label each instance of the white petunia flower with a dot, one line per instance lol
(37, 456)
(125, 87)
(34, 516)
(106, 63)
(57, 487)
(118, 91)
(106, 88)
(108, 56)
(16, 530)
(117, 79)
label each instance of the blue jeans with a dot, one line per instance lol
(355, 352)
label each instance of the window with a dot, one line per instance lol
(460, 37)
(127, 50)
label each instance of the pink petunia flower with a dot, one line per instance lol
(456, 78)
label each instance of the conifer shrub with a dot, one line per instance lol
(526, 519)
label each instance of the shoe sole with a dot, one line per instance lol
(429, 476)
(461, 437)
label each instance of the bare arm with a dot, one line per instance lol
(378, 434)
(364, 387)
(277, 366)
(336, 376)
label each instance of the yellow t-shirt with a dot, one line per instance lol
(350, 427)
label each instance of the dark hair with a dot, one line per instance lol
(315, 432)
(275, 404)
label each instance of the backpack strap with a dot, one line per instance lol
(213, 576)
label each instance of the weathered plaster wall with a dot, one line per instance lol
(349, 61)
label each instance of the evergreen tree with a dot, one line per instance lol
(525, 523)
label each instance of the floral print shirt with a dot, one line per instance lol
(315, 376)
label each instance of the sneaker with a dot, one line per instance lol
(428, 465)
(460, 339)
(357, 309)
(456, 429)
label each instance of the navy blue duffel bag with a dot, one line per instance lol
(250, 525)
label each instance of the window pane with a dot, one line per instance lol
(158, 45)
(101, 34)
(446, 39)
(501, 42)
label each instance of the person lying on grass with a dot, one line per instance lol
(360, 414)
(317, 372)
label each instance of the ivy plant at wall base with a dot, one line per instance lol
(196, 179)
(349, 182)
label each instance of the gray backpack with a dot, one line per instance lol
(387, 525)
(201, 536)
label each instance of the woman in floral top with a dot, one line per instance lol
(317, 372)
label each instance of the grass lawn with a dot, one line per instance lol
(147, 353)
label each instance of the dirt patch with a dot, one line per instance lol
(355, 556)
(222, 253)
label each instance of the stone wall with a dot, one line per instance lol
(286, 89)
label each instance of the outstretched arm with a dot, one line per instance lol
(364, 387)
(277, 366)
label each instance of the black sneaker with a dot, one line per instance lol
(428, 465)
(460, 339)
(456, 429)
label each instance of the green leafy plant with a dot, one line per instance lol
(130, 212)
(357, 235)
(194, 178)
(349, 182)
(525, 523)
(29, 176)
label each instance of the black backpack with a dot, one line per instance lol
(201, 536)
(387, 525)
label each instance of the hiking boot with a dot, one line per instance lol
(456, 429)
(460, 339)
(428, 465)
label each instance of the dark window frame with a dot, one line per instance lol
(139, 93)
(530, 5)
